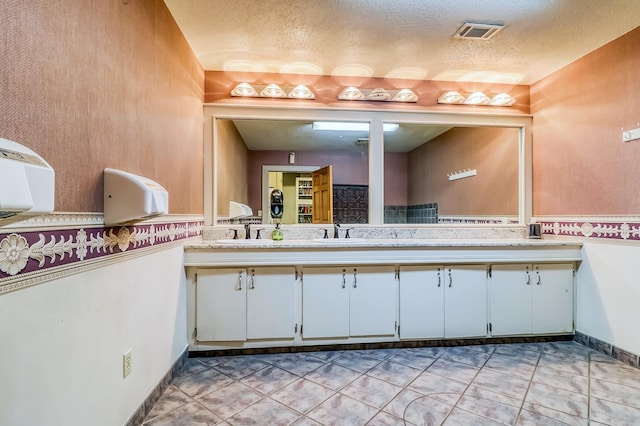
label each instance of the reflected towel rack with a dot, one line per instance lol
(462, 174)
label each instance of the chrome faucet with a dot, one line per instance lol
(335, 230)
(247, 231)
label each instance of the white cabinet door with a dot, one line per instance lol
(271, 302)
(421, 302)
(553, 298)
(221, 313)
(465, 307)
(373, 297)
(325, 302)
(511, 299)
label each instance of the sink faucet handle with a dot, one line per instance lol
(346, 235)
(258, 233)
(235, 234)
(335, 230)
(326, 234)
(247, 231)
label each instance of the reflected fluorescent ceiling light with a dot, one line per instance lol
(351, 126)
(476, 98)
(352, 93)
(272, 90)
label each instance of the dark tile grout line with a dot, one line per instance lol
(524, 397)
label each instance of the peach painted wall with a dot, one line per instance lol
(580, 164)
(232, 165)
(493, 152)
(396, 165)
(109, 83)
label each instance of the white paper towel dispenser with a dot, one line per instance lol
(27, 182)
(129, 197)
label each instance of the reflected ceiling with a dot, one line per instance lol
(281, 135)
(405, 39)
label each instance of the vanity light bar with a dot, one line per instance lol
(272, 90)
(476, 98)
(352, 93)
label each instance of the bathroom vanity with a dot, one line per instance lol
(297, 292)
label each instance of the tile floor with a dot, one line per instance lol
(515, 384)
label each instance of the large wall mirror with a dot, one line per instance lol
(395, 168)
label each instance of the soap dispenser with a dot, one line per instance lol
(277, 208)
(277, 234)
(277, 204)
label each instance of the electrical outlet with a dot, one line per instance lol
(126, 364)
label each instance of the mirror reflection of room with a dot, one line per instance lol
(247, 147)
(419, 160)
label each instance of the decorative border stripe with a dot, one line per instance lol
(478, 220)
(25, 252)
(628, 230)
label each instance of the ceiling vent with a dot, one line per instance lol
(472, 31)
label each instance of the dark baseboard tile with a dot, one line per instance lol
(141, 413)
(383, 345)
(608, 349)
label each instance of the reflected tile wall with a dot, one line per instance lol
(350, 203)
(418, 213)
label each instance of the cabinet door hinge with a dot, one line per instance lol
(573, 270)
(295, 329)
(489, 272)
(195, 333)
(397, 273)
(301, 329)
(490, 328)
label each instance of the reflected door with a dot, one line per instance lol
(322, 195)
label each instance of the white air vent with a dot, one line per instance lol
(472, 31)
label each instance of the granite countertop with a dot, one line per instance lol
(352, 243)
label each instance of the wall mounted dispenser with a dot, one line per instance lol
(27, 182)
(129, 197)
(277, 204)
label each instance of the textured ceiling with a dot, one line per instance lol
(400, 38)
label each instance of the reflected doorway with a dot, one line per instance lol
(295, 184)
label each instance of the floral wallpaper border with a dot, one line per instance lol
(610, 228)
(27, 251)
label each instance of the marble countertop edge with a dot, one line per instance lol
(344, 243)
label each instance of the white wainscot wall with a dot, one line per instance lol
(608, 294)
(63, 341)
